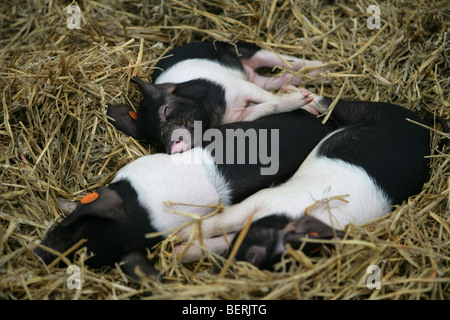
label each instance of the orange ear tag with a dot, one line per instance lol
(91, 197)
(133, 115)
(313, 234)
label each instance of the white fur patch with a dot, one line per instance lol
(191, 179)
(336, 192)
(331, 190)
(192, 69)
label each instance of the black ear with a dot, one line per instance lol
(312, 227)
(123, 120)
(146, 88)
(149, 89)
(106, 204)
(308, 226)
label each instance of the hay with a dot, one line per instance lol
(55, 140)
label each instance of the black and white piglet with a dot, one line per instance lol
(116, 219)
(355, 174)
(215, 83)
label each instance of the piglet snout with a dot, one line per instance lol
(178, 146)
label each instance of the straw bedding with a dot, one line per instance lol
(55, 140)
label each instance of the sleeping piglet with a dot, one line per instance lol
(116, 219)
(355, 174)
(215, 83)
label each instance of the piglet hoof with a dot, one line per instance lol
(293, 98)
(289, 88)
(313, 108)
(312, 103)
(312, 228)
(190, 252)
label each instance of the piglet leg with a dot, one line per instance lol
(218, 245)
(284, 103)
(316, 106)
(268, 59)
(252, 102)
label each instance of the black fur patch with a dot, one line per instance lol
(113, 228)
(299, 132)
(378, 138)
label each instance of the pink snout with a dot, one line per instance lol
(178, 146)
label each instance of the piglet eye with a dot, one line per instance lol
(164, 111)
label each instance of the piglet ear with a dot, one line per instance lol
(106, 204)
(124, 119)
(312, 228)
(149, 89)
(146, 88)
